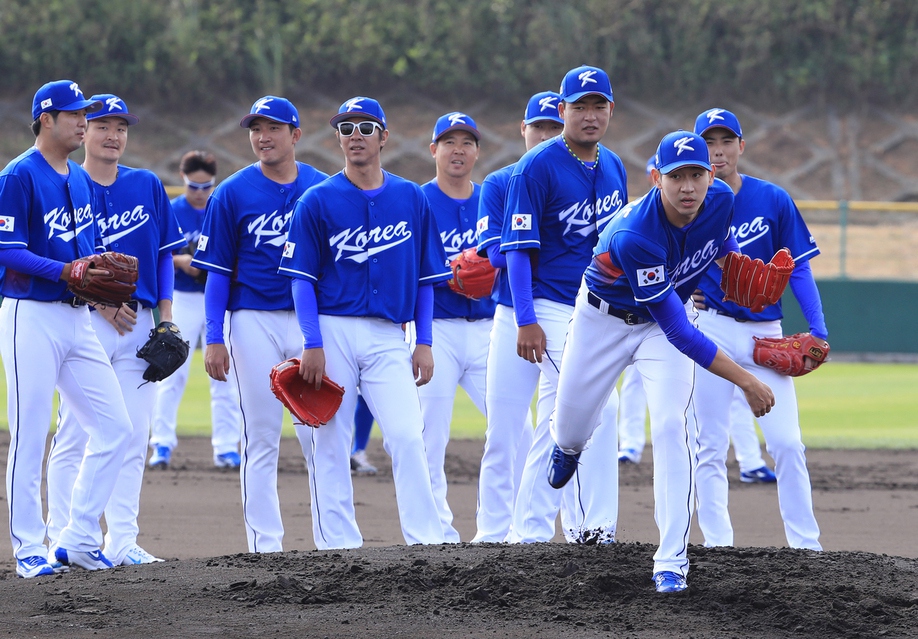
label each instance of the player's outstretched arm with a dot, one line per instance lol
(758, 394)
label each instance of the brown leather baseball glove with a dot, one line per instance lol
(754, 284)
(307, 405)
(788, 355)
(112, 288)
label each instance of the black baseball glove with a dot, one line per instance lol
(165, 352)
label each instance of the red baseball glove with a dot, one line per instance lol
(754, 284)
(473, 275)
(113, 288)
(307, 405)
(788, 355)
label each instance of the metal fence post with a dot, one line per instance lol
(843, 237)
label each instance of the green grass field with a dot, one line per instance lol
(843, 405)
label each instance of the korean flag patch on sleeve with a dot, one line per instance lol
(202, 243)
(7, 223)
(289, 247)
(482, 225)
(651, 276)
(521, 222)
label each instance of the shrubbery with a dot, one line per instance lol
(782, 51)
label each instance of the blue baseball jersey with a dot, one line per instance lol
(135, 217)
(491, 222)
(556, 208)
(49, 214)
(366, 255)
(246, 223)
(640, 256)
(457, 221)
(765, 221)
(191, 220)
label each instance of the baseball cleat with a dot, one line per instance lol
(56, 566)
(361, 465)
(137, 555)
(88, 560)
(561, 467)
(34, 566)
(227, 460)
(629, 456)
(667, 581)
(160, 458)
(763, 475)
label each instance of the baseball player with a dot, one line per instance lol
(46, 338)
(461, 326)
(364, 253)
(136, 218)
(198, 170)
(511, 379)
(240, 246)
(765, 220)
(632, 308)
(560, 195)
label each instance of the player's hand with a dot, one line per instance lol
(698, 300)
(182, 261)
(531, 343)
(123, 317)
(312, 366)
(217, 361)
(422, 364)
(759, 396)
(812, 364)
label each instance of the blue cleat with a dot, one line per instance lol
(88, 560)
(667, 581)
(227, 460)
(763, 475)
(34, 566)
(161, 457)
(562, 467)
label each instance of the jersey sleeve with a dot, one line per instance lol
(171, 236)
(794, 233)
(303, 251)
(216, 250)
(526, 199)
(434, 265)
(14, 219)
(491, 212)
(643, 263)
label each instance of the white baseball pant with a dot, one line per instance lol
(46, 345)
(781, 428)
(599, 347)
(460, 351)
(589, 511)
(70, 441)
(371, 354)
(632, 413)
(188, 315)
(257, 341)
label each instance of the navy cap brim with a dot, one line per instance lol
(130, 118)
(341, 117)
(719, 125)
(460, 127)
(247, 120)
(672, 166)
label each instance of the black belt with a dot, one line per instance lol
(736, 319)
(134, 305)
(629, 318)
(75, 302)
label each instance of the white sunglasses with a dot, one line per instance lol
(366, 128)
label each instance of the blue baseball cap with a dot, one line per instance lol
(360, 106)
(718, 119)
(455, 121)
(543, 106)
(61, 95)
(584, 81)
(273, 108)
(681, 148)
(112, 107)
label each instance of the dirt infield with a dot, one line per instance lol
(864, 585)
